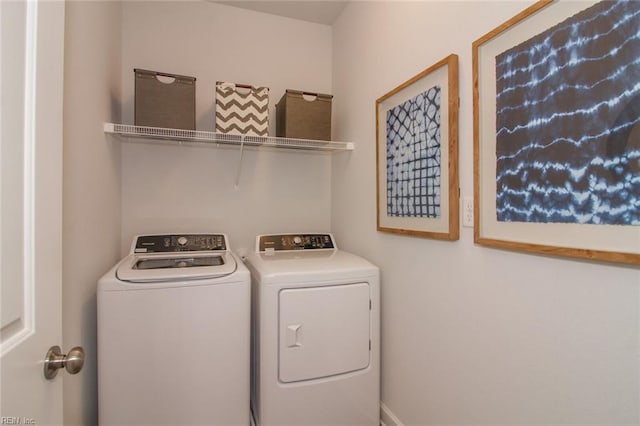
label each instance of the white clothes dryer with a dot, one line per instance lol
(174, 334)
(315, 333)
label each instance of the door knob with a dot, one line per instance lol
(55, 360)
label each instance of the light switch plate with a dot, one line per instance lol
(467, 212)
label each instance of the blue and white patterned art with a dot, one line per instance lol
(413, 156)
(567, 109)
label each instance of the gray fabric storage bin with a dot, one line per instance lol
(159, 104)
(299, 118)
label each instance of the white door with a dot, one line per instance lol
(324, 331)
(32, 49)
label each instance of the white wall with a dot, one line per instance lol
(91, 222)
(472, 335)
(114, 189)
(177, 188)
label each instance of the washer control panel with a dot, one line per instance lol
(287, 242)
(179, 242)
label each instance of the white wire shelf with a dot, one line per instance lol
(203, 137)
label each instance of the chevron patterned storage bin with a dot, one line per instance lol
(242, 109)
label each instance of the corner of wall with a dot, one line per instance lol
(91, 186)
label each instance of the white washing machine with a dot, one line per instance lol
(315, 334)
(174, 334)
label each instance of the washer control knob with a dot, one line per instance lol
(182, 241)
(297, 240)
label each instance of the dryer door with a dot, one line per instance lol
(324, 331)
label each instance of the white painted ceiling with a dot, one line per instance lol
(320, 12)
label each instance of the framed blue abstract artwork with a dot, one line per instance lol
(557, 133)
(417, 154)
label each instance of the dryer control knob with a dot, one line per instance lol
(182, 241)
(297, 240)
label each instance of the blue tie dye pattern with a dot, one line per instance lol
(568, 105)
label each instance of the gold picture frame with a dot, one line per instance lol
(417, 154)
(539, 179)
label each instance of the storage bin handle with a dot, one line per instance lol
(309, 97)
(235, 85)
(303, 94)
(177, 77)
(165, 74)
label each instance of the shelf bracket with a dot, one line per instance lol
(240, 163)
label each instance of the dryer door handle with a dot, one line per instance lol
(294, 335)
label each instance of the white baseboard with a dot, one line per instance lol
(387, 418)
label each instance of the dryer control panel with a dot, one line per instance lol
(287, 242)
(172, 243)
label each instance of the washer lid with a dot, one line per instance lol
(159, 267)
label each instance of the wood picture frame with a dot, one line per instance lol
(556, 171)
(417, 154)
